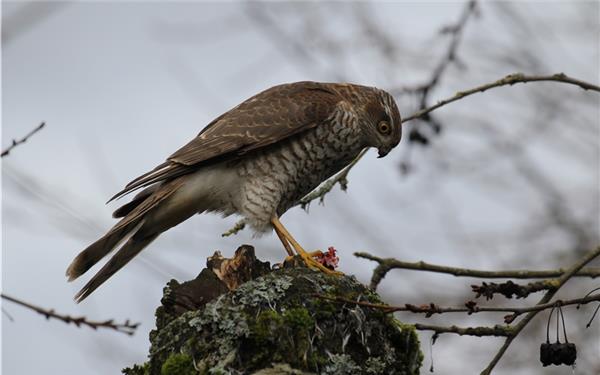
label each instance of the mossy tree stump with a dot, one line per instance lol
(240, 317)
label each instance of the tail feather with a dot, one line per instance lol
(135, 202)
(99, 249)
(129, 250)
(133, 229)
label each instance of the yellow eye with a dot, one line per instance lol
(384, 127)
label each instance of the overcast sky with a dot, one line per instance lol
(122, 85)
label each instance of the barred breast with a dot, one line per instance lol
(274, 180)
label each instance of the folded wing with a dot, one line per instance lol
(266, 118)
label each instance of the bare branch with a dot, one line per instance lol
(509, 289)
(423, 91)
(588, 257)
(8, 316)
(497, 330)
(470, 331)
(15, 142)
(509, 80)
(456, 32)
(385, 265)
(470, 307)
(127, 327)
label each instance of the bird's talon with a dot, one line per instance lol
(315, 265)
(308, 257)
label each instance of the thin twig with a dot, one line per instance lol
(423, 91)
(127, 327)
(588, 257)
(387, 264)
(16, 142)
(8, 316)
(510, 289)
(509, 80)
(470, 307)
(456, 32)
(497, 330)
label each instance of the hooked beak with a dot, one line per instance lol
(383, 153)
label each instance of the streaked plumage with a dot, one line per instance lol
(256, 160)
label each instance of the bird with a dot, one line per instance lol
(256, 160)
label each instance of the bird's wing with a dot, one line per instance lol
(264, 119)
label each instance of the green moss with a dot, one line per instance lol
(374, 297)
(178, 364)
(276, 319)
(299, 327)
(407, 338)
(324, 309)
(266, 323)
(279, 337)
(298, 318)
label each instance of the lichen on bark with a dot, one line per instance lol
(272, 323)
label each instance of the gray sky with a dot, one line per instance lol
(123, 85)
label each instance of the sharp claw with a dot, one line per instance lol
(313, 264)
(289, 242)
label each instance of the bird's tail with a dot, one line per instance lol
(138, 226)
(130, 249)
(99, 249)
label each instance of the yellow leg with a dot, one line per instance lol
(285, 242)
(287, 239)
(312, 254)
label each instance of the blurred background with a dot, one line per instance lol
(504, 179)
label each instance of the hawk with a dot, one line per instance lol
(257, 160)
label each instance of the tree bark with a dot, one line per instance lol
(241, 317)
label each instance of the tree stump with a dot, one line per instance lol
(241, 317)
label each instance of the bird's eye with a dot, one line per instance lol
(384, 127)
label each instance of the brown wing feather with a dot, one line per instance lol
(264, 119)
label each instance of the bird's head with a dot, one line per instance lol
(383, 125)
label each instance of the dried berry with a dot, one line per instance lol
(557, 353)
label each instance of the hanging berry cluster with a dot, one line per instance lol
(557, 353)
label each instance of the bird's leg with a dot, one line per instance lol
(289, 250)
(287, 240)
(312, 254)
